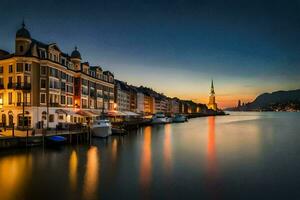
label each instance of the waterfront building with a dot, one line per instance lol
(122, 96)
(145, 102)
(174, 106)
(40, 84)
(212, 99)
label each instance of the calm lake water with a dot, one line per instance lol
(241, 156)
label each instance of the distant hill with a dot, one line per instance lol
(275, 101)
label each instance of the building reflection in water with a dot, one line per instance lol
(14, 174)
(167, 149)
(73, 166)
(212, 169)
(146, 160)
(114, 149)
(91, 179)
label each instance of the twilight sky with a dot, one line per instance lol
(174, 46)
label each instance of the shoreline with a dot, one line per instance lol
(83, 136)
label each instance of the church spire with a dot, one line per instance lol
(212, 90)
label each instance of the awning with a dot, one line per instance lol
(115, 113)
(87, 113)
(61, 111)
(129, 113)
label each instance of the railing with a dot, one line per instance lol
(21, 103)
(54, 104)
(19, 86)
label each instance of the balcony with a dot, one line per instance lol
(19, 86)
(21, 103)
(53, 104)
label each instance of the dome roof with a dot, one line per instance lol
(23, 32)
(76, 54)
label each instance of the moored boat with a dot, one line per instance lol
(159, 118)
(56, 140)
(179, 118)
(101, 128)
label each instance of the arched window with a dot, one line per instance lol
(21, 48)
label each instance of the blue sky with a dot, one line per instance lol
(176, 47)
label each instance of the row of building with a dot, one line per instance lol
(40, 85)
(146, 101)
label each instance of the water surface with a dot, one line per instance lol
(241, 156)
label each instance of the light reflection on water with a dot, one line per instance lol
(146, 159)
(92, 175)
(211, 158)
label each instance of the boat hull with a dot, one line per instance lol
(101, 132)
(159, 120)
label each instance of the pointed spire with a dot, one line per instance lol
(23, 23)
(212, 90)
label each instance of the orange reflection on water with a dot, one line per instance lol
(211, 147)
(14, 174)
(145, 170)
(91, 174)
(167, 149)
(212, 168)
(73, 165)
(114, 149)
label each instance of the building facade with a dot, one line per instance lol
(40, 84)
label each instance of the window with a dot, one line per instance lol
(43, 98)
(42, 54)
(27, 67)
(1, 99)
(62, 99)
(19, 97)
(63, 86)
(21, 49)
(70, 100)
(51, 118)
(26, 79)
(10, 69)
(19, 67)
(10, 98)
(19, 78)
(60, 117)
(43, 70)
(10, 80)
(27, 98)
(43, 83)
(1, 69)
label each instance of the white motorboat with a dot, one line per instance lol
(101, 128)
(179, 118)
(159, 118)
